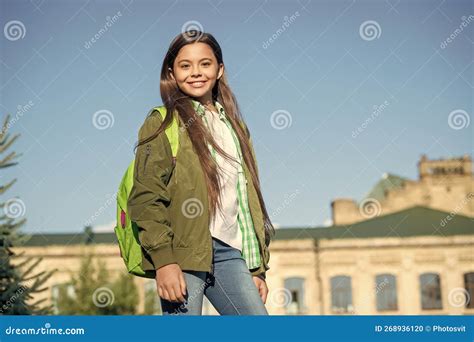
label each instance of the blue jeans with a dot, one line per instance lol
(230, 290)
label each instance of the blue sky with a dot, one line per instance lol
(320, 76)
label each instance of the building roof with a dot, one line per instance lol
(387, 182)
(415, 221)
(48, 239)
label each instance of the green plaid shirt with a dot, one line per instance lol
(250, 249)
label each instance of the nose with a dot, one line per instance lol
(195, 72)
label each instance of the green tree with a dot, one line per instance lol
(18, 282)
(152, 302)
(92, 292)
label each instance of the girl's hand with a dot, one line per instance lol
(170, 283)
(261, 287)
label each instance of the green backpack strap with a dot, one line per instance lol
(172, 131)
(126, 231)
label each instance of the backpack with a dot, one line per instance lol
(125, 230)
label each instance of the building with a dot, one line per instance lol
(442, 184)
(406, 263)
(406, 249)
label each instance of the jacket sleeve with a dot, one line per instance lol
(254, 156)
(149, 198)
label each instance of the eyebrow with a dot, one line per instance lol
(187, 60)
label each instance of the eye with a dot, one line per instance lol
(184, 66)
(206, 63)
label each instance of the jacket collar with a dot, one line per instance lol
(199, 108)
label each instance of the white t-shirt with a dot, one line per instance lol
(225, 226)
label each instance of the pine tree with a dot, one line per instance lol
(17, 281)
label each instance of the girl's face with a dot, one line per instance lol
(195, 70)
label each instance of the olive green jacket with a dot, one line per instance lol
(169, 204)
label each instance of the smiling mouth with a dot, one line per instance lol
(197, 84)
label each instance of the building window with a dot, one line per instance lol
(430, 285)
(60, 291)
(294, 287)
(341, 294)
(386, 292)
(469, 286)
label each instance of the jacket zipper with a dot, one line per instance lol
(212, 265)
(212, 253)
(175, 159)
(212, 248)
(176, 172)
(148, 152)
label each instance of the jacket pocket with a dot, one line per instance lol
(184, 175)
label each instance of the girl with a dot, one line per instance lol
(203, 224)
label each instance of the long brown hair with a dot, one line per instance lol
(176, 101)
